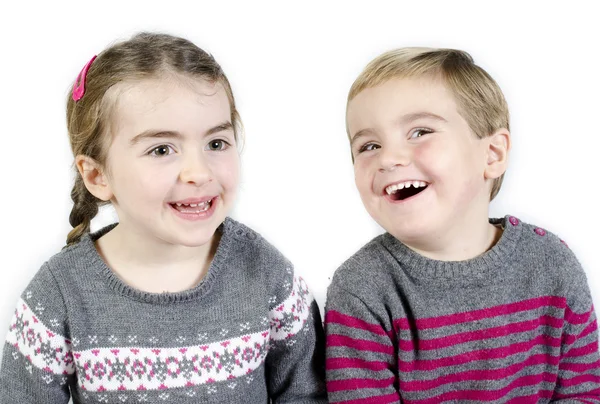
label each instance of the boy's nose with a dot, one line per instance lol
(390, 158)
(195, 171)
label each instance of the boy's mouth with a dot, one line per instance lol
(194, 207)
(404, 190)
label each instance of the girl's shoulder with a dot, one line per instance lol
(247, 248)
(250, 246)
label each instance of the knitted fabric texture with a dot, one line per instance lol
(250, 332)
(515, 324)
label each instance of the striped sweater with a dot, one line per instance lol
(513, 325)
(250, 332)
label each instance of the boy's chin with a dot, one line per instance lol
(410, 233)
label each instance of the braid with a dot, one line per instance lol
(85, 207)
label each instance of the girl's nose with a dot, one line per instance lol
(195, 171)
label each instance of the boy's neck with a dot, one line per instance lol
(464, 241)
(154, 266)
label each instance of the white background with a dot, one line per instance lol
(291, 67)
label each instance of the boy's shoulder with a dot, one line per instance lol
(548, 249)
(368, 263)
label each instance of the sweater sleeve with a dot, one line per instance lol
(295, 368)
(361, 353)
(37, 362)
(579, 366)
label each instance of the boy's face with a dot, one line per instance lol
(418, 166)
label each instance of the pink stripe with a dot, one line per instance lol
(390, 398)
(570, 338)
(488, 395)
(353, 363)
(483, 354)
(591, 395)
(359, 344)
(575, 318)
(358, 383)
(490, 312)
(336, 317)
(494, 332)
(578, 367)
(533, 398)
(484, 374)
(574, 381)
(590, 348)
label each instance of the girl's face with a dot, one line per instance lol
(173, 164)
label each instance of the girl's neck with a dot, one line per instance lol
(154, 266)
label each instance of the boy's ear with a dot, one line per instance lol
(498, 146)
(93, 177)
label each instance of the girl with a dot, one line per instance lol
(177, 302)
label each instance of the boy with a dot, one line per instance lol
(449, 305)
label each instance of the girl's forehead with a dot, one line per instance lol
(169, 104)
(154, 90)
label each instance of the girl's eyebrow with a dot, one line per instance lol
(157, 133)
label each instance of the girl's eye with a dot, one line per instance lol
(217, 145)
(162, 150)
(419, 132)
(368, 147)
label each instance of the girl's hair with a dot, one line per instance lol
(144, 56)
(479, 98)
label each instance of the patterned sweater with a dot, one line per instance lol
(250, 332)
(513, 325)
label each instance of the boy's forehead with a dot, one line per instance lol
(397, 98)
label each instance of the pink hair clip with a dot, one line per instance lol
(79, 86)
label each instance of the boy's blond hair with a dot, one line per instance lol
(478, 97)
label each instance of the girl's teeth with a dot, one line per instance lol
(193, 207)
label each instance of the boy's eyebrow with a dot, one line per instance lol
(157, 133)
(405, 119)
(360, 133)
(419, 115)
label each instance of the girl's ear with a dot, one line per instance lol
(93, 177)
(498, 146)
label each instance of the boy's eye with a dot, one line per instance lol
(162, 150)
(217, 145)
(419, 132)
(368, 147)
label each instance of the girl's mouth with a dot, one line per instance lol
(195, 210)
(192, 208)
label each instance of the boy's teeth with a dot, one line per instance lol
(393, 188)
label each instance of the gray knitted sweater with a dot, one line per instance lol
(515, 324)
(250, 332)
